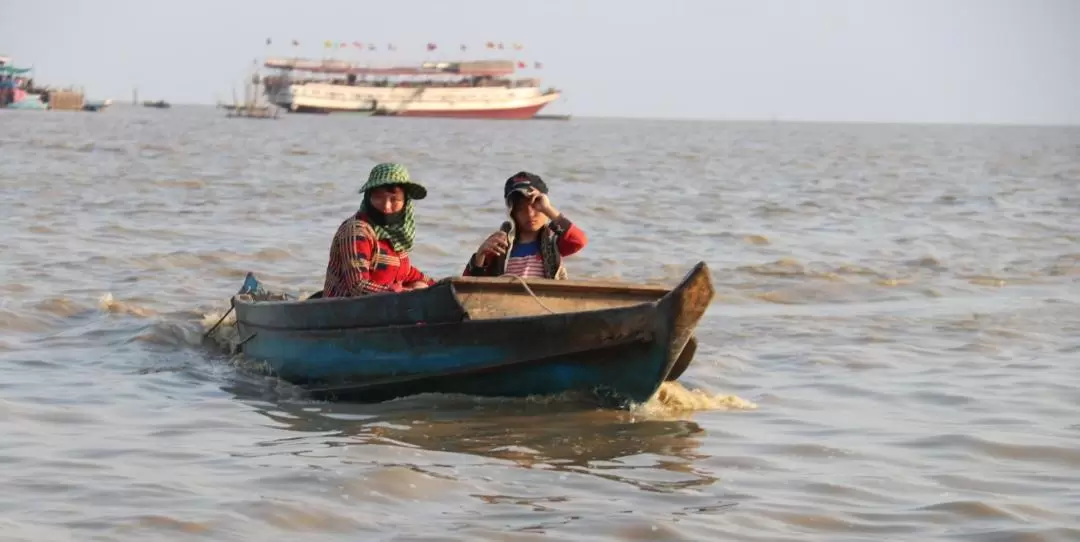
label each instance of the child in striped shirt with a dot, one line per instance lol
(536, 239)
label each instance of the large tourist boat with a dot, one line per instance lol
(475, 89)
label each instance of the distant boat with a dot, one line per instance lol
(18, 91)
(473, 89)
(251, 111)
(96, 106)
(251, 107)
(160, 104)
(16, 88)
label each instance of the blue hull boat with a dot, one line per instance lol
(485, 336)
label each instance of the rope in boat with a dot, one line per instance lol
(529, 290)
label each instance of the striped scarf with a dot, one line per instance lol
(549, 251)
(400, 236)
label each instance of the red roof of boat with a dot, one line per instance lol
(475, 67)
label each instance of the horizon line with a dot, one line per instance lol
(751, 120)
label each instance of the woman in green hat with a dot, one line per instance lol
(370, 251)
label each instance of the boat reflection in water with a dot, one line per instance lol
(550, 434)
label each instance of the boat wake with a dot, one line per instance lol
(209, 333)
(674, 400)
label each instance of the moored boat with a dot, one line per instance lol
(17, 89)
(479, 89)
(96, 106)
(486, 336)
(251, 107)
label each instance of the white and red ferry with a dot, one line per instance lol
(476, 89)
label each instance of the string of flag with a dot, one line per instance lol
(429, 47)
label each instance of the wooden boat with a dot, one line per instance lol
(486, 336)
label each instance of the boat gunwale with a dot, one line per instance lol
(536, 288)
(503, 283)
(655, 306)
(645, 305)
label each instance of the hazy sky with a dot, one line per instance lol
(860, 60)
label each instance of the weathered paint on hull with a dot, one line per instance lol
(501, 358)
(631, 373)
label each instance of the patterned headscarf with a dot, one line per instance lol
(401, 233)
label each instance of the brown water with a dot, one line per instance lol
(892, 354)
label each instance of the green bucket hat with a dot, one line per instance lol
(389, 174)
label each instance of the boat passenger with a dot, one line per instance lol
(370, 251)
(533, 243)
